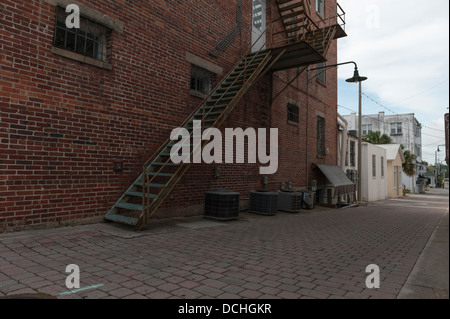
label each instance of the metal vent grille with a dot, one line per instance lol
(290, 202)
(222, 205)
(263, 203)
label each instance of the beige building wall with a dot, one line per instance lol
(393, 190)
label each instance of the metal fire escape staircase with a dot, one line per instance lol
(160, 175)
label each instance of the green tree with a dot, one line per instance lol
(377, 138)
(409, 167)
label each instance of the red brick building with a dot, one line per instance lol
(83, 109)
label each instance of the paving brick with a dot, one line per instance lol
(289, 295)
(313, 293)
(250, 294)
(158, 295)
(270, 291)
(208, 291)
(228, 295)
(268, 297)
(186, 293)
(168, 287)
(306, 285)
(135, 297)
(144, 290)
(331, 290)
(189, 284)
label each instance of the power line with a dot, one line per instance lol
(423, 92)
(386, 108)
(434, 144)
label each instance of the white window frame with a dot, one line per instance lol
(397, 128)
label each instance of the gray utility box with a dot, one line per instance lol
(263, 203)
(309, 200)
(291, 202)
(222, 204)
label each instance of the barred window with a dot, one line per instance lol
(90, 40)
(321, 151)
(293, 113)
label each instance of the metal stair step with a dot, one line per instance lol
(132, 221)
(233, 88)
(139, 194)
(284, 1)
(159, 174)
(216, 107)
(293, 14)
(295, 22)
(250, 67)
(228, 94)
(291, 6)
(209, 114)
(151, 185)
(163, 164)
(134, 207)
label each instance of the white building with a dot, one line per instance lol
(373, 175)
(404, 129)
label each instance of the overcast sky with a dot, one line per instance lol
(402, 46)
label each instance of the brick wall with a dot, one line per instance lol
(64, 123)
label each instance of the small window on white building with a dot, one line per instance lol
(382, 166)
(367, 129)
(396, 128)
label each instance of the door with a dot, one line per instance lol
(259, 25)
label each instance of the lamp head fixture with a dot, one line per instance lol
(356, 77)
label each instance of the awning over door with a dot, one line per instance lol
(335, 175)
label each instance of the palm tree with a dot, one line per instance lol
(377, 138)
(409, 167)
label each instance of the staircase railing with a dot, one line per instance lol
(319, 31)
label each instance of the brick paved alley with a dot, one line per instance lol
(322, 254)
